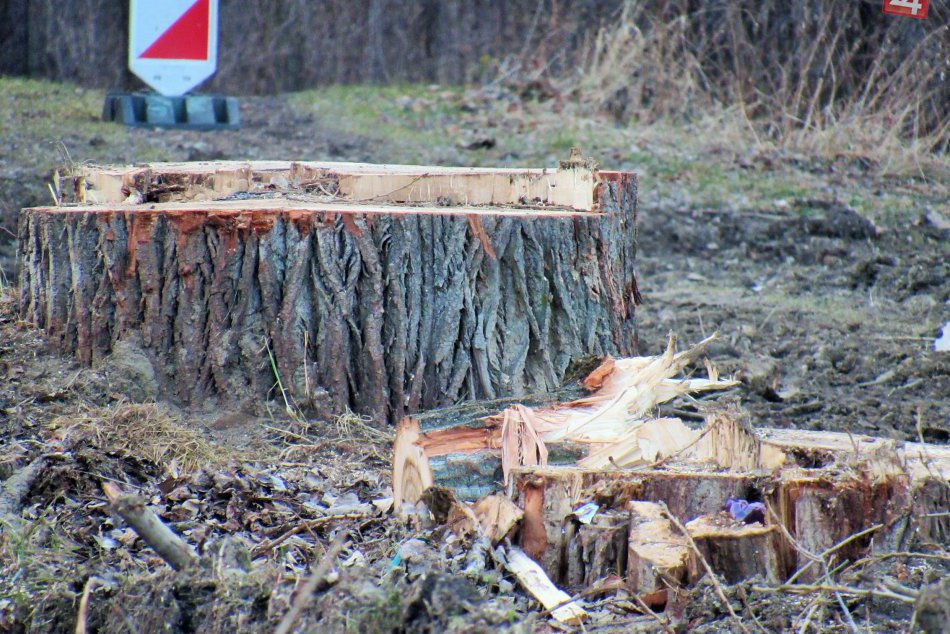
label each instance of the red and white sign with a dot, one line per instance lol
(173, 44)
(907, 8)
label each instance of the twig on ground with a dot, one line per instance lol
(82, 614)
(802, 588)
(683, 413)
(303, 526)
(844, 607)
(744, 598)
(585, 594)
(809, 612)
(305, 595)
(18, 486)
(656, 617)
(899, 588)
(169, 546)
(908, 555)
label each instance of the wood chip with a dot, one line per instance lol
(532, 578)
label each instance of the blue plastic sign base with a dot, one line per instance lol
(193, 112)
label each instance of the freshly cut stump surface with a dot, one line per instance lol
(352, 300)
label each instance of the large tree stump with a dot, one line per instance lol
(383, 289)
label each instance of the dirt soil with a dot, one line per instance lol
(827, 278)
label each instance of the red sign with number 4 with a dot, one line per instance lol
(907, 8)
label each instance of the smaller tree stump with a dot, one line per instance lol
(658, 554)
(819, 506)
(597, 550)
(733, 550)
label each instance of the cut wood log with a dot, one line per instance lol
(822, 487)
(733, 550)
(532, 578)
(819, 490)
(384, 306)
(448, 446)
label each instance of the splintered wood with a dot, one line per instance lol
(607, 426)
(659, 504)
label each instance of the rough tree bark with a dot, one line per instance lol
(380, 307)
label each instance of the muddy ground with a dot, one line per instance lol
(828, 293)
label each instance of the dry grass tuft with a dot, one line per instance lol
(348, 434)
(823, 79)
(146, 431)
(355, 428)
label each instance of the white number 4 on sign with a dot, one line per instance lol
(907, 8)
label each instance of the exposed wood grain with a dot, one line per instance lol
(571, 187)
(657, 555)
(735, 551)
(530, 575)
(597, 550)
(497, 516)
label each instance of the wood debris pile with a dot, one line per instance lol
(592, 493)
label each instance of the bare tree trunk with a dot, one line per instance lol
(375, 57)
(14, 38)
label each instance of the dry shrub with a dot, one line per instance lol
(642, 67)
(345, 435)
(822, 77)
(818, 75)
(146, 431)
